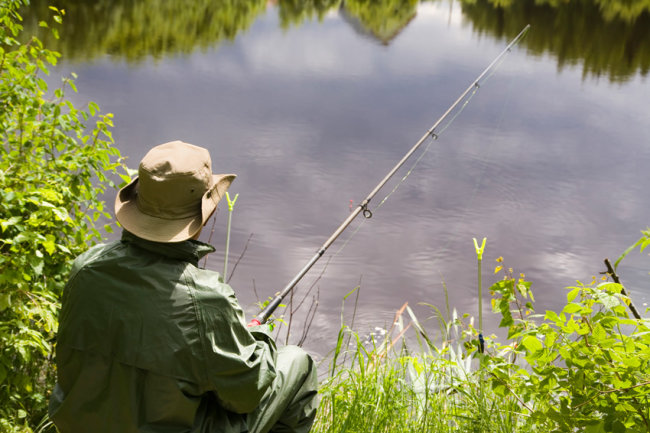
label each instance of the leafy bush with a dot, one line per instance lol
(586, 368)
(55, 162)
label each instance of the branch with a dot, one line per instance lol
(240, 257)
(514, 394)
(612, 272)
(309, 319)
(609, 391)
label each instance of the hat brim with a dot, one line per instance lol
(159, 229)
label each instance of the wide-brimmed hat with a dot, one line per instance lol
(174, 194)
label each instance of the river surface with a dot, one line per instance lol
(312, 106)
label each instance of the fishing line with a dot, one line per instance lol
(417, 161)
(413, 167)
(362, 208)
(499, 123)
(479, 181)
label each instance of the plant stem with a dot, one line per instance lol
(479, 255)
(480, 297)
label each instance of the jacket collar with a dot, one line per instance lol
(190, 250)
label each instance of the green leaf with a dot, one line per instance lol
(599, 332)
(61, 214)
(633, 362)
(93, 108)
(42, 84)
(5, 302)
(572, 294)
(618, 427)
(4, 224)
(572, 308)
(531, 343)
(550, 339)
(37, 265)
(49, 244)
(552, 316)
(596, 428)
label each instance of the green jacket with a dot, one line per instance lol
(148, 342)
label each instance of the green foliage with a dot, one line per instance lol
(54, 165)
(587, 368)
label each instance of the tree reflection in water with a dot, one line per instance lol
(609, 37)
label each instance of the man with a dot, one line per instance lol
(148, 342)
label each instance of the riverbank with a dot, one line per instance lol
(583, 368)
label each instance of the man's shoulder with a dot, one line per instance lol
(93, 254)
(207, 284)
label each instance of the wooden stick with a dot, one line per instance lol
(612, 272)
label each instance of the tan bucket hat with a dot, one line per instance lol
(174, 194)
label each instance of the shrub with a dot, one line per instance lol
(55, 163)
(586, 368)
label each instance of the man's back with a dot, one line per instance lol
(149, 342)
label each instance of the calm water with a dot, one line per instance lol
(311, 107)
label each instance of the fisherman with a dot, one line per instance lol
(149, 342)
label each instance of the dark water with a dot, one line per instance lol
(312, 103)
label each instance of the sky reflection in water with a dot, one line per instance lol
(551, 167)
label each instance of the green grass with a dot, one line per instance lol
(391, 387)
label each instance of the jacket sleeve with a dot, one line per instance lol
(239, 364)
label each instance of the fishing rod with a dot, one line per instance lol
(263, 316)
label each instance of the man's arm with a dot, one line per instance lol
(239, 361)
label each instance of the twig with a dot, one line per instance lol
(612, 272)
(609, 391)
(292, 310)
(397, 338)
(311, 287)
(512, 392)
(389, 334)
(647, 382)
(240, 257)
(312, 309)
